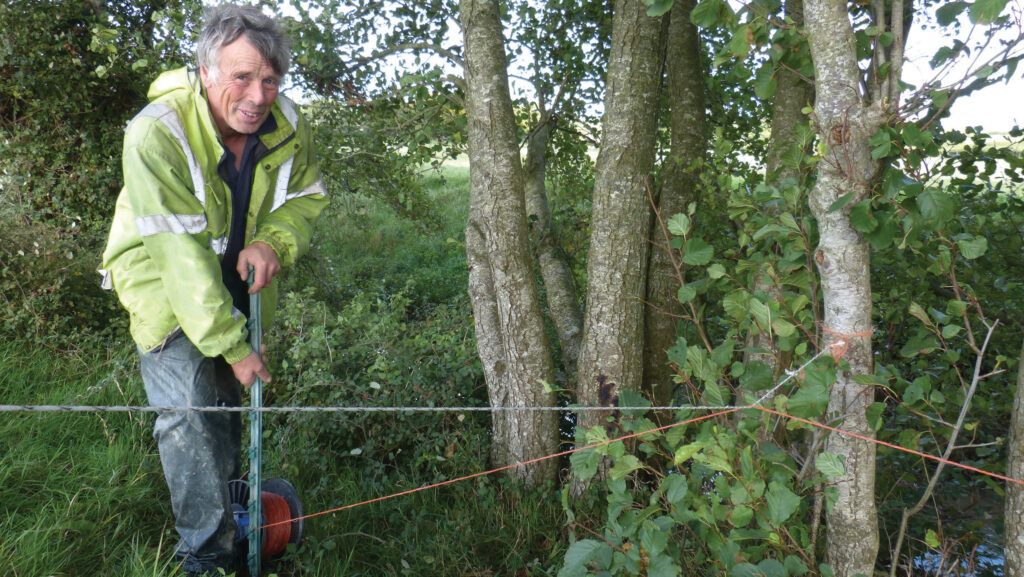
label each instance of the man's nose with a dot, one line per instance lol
(258, 93)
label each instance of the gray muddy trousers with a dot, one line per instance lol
(199, 451)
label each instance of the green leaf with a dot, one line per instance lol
(809, 402)
(686, 293)
(887, 231)
(686, 452)
(782, 503)
(874, 414)
(741, 516)
(783, 328)
(772, 568)
(653, 537)
(715, 461)
(770, 228)
(936, 206)
(743, 570)
(765, 83)
(735, 304)
(821, 373)
(830, 465)
(713, 394)
(661, 565)
(913, 393)
(761, 313)
(842, 201)
(657, 8)
(739, 44)
(677, 352)
(700, 365)
(956, 308)
(698, 252)
(947, 13)
(716, 271)
(986, 11)
(757, 376)
(708, 13)
(722, 354)
(795, 566)
(932, 539)
(674, 487)
(584, 463)
(881, 144)
(939, 98)
(679, 224)
(914, 136)
(920, 344)
(917, 311)
(624, 466)
(972, 248)
(861, 217)
(950, 331)
(578, 557)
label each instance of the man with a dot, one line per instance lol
(219, 175)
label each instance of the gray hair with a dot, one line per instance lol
(226, 23)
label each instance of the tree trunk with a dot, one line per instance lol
(688, 129)
(611, 356)
(791, 96)
(563, 305)
(511, 340)
(845, 122)
(1014, 507)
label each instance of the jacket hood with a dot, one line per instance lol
(182, 79)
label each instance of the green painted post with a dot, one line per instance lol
(255, 440)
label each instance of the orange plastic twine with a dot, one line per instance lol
(278, 528)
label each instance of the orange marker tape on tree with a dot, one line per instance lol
(842, 345)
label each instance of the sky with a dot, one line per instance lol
(996, 108)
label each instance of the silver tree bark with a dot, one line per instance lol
(563, 305)
(1014, 506)
(845, 122)
(511, 340)
(688, 129)
(611, 356)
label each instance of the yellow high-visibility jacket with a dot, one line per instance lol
(170, 226)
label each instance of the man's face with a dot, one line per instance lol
(241, 94)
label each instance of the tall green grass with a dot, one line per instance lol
(82, 494)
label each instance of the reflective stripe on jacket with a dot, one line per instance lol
(171, 221)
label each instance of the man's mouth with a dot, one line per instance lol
(249, 115)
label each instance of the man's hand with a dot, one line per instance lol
(252, 366)
(264, 263)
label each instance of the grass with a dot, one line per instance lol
(83, 494)
(79, 491)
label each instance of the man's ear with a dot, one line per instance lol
(204, 76)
